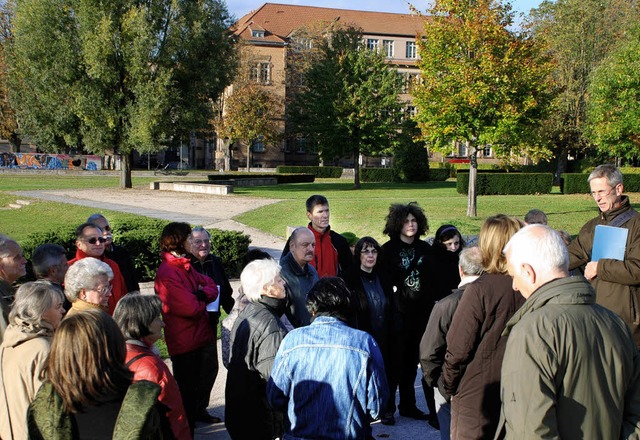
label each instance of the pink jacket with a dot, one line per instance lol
(187, 324)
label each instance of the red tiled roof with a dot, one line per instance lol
(280, 20)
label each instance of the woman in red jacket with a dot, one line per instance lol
(190, 339)
(140, 319)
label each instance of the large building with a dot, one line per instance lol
(269, 34)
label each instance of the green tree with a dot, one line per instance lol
(577, 34)
(480, 83)
(250, 115)
(347, 104)
(613, 112)
(410, 154)
(117, 75)
(8, 120)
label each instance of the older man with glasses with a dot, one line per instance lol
(91, 243)
(616, 282)
(204, 262)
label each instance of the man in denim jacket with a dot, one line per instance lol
(328, 377)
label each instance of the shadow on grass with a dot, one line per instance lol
(320, 187)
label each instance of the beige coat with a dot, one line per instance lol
(22, 357)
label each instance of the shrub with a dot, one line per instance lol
(574, 183)
(282, 177)
(296, 178)
(507, 183)
(231, 247)
(319, 172)
(141, 237)
(438, 174)
(377, 175)
(410, 156)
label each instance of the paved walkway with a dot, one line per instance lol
(214, 212)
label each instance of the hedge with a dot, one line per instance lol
(319, 172)
(377, 175)
(576, 183)
(507, 183)
(438, 174)
(141, 238)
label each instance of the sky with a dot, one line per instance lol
(238, 8)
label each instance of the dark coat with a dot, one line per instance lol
(445, 270)
(255, 339)
(213, 268)
(125, 263)
(475, 348)
(353, 279)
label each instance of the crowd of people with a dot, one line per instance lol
(522, 335)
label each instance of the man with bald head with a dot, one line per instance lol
(299, 275)
(571, 368)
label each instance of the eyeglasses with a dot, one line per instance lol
(369, 251)
(602, 193)
(104, 290)
(199, 242)
(94, 240)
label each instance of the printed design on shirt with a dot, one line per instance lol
(412, 281)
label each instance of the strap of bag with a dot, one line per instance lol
(141, 355)
(623, 218)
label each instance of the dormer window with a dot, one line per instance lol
(257, 33)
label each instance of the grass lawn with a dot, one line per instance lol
(363, 211)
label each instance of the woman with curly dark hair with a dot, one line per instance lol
(408, 260)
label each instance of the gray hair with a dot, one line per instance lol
(540, 246)
(535, 216)
(5, 242)
(297, 231)
(610, 172)
(83, 274)
(97, 216)
(257, 276)
(200, 229)
(470, 261)
(46, 256)
(134, 314)
(31, 301)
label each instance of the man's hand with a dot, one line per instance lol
(591, 270)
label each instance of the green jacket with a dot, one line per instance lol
(571, 369)
(137, 419)
(618, 282)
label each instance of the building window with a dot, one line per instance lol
(258, 145)
(257, 33)
(302, 43)
(411, 110)
(388, 48)
(261, 73)
(486, 151)
(372, 44)
(411, 50)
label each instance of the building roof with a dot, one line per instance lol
(279, 21)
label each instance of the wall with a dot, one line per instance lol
(50, 161)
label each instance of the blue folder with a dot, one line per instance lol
(609, 242)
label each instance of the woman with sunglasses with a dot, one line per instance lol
(87, 285)
(91, 243)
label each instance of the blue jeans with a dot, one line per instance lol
(443, 410)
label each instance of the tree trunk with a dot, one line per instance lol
(249, 156)
(472, 210)
(15, 141)
(562, 165)
(125, 171)
(356, 169)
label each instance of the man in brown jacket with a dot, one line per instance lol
(616, 283)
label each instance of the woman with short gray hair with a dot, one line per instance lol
(36, 313)
(140, 320)
(87, 285)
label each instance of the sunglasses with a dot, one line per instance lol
(94, 240)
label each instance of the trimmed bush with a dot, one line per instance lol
(282, 178)
(377, 175)
(507, 183)
(141, 237)
(295, 178)
(319, 172)
(438, 174)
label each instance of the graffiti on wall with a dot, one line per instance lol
(38, 161)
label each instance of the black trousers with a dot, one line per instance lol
(195, 373)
